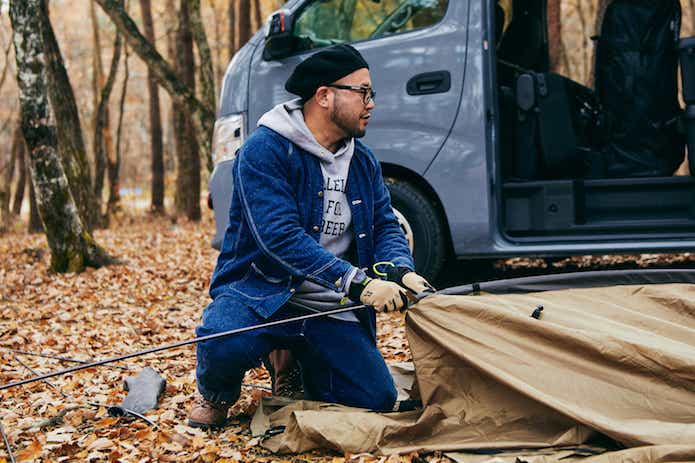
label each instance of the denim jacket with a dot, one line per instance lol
(271, 244)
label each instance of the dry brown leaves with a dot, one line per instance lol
(154, 298)
(598, 262)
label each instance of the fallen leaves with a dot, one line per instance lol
(59, 436)
(30, 452)
(100, 444)
(155, 297)
(106, 422)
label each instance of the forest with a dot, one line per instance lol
(126, 139)
(107, 110)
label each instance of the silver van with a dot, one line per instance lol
(448, 128)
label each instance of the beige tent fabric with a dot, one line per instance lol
(651, 454)
(618, 360)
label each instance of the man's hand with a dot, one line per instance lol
(416, 283)
(384, 295)
(409, 280)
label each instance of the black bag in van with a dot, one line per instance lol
(636, 73)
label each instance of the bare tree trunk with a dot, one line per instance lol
(176, 122)
(257, 13)
(171, 19)
(70, 142)
(8, 172)
(11, 165)
(207, 74)
(72, 247)
(8, 175)
(600, 13)
(181, 146)
(35, 225)
(218, 62)
(555, 35)
(4, 214)
(97, 66)
(114, 166)
(102, 140)
(19, 148)
(203, 116)
(244, 15)
(187, 198)
(233, 43)
(97, 85)
(157, 165)
(583, 22)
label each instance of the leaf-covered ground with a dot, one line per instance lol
(155, 297)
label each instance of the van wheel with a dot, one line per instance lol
(422, 226)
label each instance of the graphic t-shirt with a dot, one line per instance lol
(287, 119)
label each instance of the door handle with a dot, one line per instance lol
(429, 83)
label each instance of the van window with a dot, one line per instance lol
(327, 22)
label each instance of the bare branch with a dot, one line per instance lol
(115, 164)
(207, 74)
(101, 123)
(204, 116)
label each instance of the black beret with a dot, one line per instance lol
(323, 68)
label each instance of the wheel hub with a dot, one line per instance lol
(407, 230)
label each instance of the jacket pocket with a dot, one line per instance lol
(261, 292)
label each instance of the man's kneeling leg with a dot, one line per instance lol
(222, 363)
(341, 364)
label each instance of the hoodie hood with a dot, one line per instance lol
(287, 120)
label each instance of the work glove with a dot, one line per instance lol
(382, 295)
(416, 283)
(409, 280)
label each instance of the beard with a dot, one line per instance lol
(347, 122)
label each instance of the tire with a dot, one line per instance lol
(423, 226)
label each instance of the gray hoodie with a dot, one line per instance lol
(287, 119)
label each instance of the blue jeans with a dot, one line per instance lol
(339, 360)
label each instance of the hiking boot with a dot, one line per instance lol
(285, 374)
(290, 384)
(206, 414)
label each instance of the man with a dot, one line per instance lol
(309, 211)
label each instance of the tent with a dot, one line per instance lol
(596, 366)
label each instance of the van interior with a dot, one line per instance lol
(580, 162)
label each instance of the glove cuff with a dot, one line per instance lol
(359, 281)
(396, 274)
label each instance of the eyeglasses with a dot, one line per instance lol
(367, 93)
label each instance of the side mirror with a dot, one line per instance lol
(279, 41)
